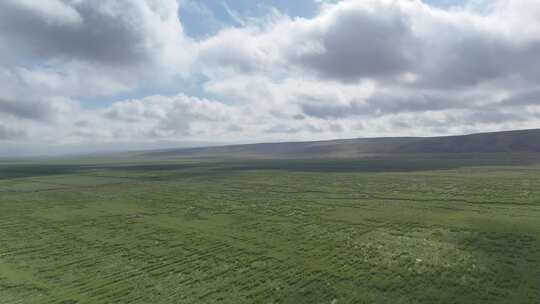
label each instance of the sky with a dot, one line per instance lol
(103, 75)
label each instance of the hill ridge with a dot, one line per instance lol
(522, 141)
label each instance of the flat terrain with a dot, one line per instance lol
(282, 231)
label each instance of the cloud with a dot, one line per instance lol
(182, 115)
(395, 101)
(523, 98)
(362, 39)
(397, 46)
(98, 37)
(384, 39)
(100, 32)
(91, 48)
(26, 109)
(11, 134)
(51, 11)
(355, 68)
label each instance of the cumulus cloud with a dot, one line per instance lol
(91, 48)
(404, 40)
(362, 39)
(356, 68)
(417, 58)
(101, 32)
(166, 116)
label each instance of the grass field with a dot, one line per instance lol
(277, 231)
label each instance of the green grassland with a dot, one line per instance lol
(415, 230)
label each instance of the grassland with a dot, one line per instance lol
(278, 231)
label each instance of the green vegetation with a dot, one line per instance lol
(276, 231)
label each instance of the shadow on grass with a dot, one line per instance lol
(35, 170)
(511, 260)
(369, 165)
(405, 164)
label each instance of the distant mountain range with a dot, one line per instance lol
(522, 141)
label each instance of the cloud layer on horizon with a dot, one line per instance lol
(355, 69)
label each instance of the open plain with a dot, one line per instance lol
(407, 230)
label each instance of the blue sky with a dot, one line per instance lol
(204, 18)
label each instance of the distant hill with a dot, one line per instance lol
(508, 141)
(522, 141)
